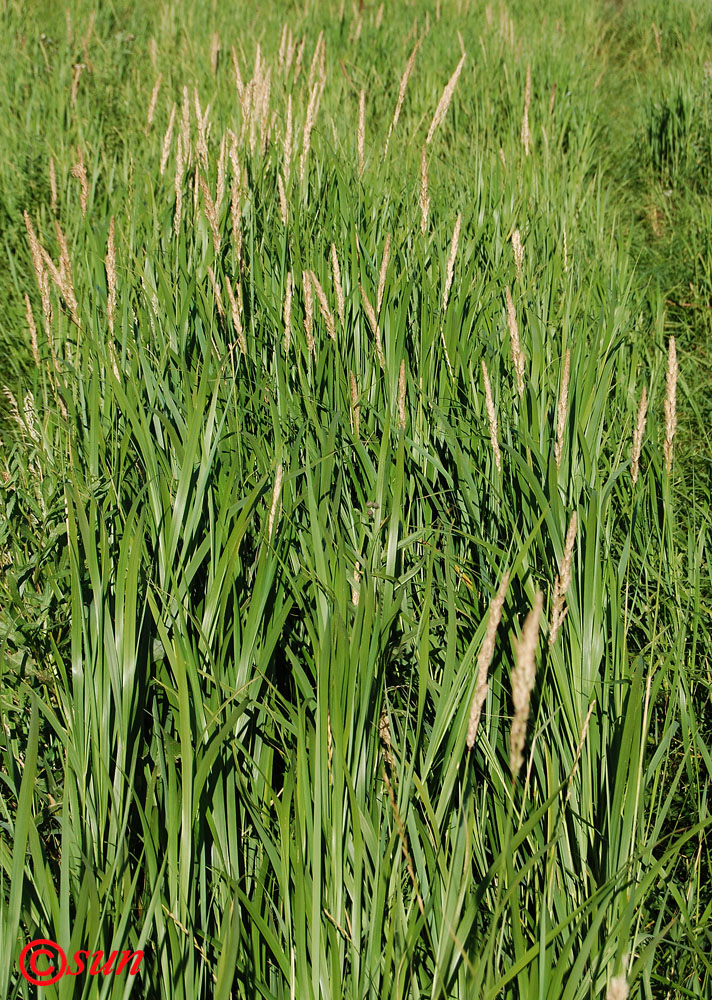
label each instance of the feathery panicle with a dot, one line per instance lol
(562, 582)
(670, 403)
(638, 433)
(484, 661)
(35, 248)
(355, 408)
(239, 85)
(451, 260)
(216, 294)
(77, 72)
(518, 251)
(382, 275)
(308, 310)
(52, 185)
(384, 733)
(288, 128)
(214, 52)
(66, 284)
(401, 396)
(180, 168)
(202, 118)
(336, 273)
(283, 211)
(312, 108)
(517, 355)
(42, 277)
(562, 410)
(617, 989)
(299, 58)
(211, 214)
(373, 323)
(154, 100)
(401, 94)
(275, 500)
(361, 131)
(33, 330)
(235, 207)
(445, 100)
(492, 417)
(222, 164)
(354, 585)
(287, 315)
(523, 682)
(165, 153)
(324, 306)
(379, 16)
(79, 171)
(111, 277)
(236, 310)
(315, 61)
(424, 199)
(185, 125)
(526, 134)
(282, 47)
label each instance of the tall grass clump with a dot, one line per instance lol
(348, 626)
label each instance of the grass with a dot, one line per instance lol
(247, 576)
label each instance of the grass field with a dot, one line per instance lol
(355, 591)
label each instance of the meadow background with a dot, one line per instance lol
(355, 593)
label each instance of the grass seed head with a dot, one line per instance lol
(236, 310)
(338, 290)
(444, 102)
(373, 323)
(79, 171)
(401, 92)
(526, 133)
(239, 85)
(484, 661)
(492, 417)
(382, 275)
(288, 138)
(523, 682)
(165, 152)
(518, 251)
(154, 100)
(451, 260)
(309, 121)
(361, 131)
(308, 310)
(424, 198)
(401, 396)
(216, 294)
(283, 210)
(214, 52)
(617, 989)
(562, 409)
(670, 403)
(111, 277)
(324, 309)
(288, 312)
(563, 581)
(33, 330)
(275, 500)
(517, 354)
